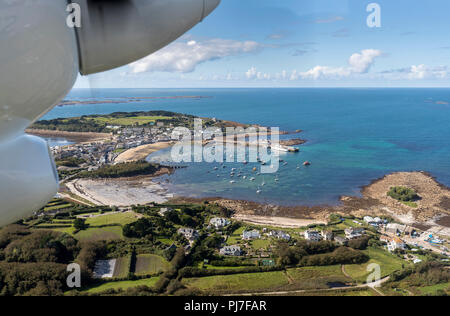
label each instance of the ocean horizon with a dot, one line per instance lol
(354, 136)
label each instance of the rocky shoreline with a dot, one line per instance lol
(432, 212)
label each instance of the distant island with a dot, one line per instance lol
(126, 100)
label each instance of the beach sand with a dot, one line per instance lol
(141, 152)
(282, 222)
(119, 192)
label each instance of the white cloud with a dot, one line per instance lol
(424, 72)
(253, 73)
(359, 63)
(184, 57)
(417, 72)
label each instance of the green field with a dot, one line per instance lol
(260, 244)
(317, 277)
(57, 207)
(434, 288)
(244, 282)
(121, 285)
(105, 233)
(350, 292)
(150, 264)
(122, 268)
(388, 263)
(109, 219)
(304, 273)
(129, 121)
(235, 236)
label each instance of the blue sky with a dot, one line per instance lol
(300, 43)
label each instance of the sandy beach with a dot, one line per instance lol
(141, 152)
(282, 222)
(119, 192)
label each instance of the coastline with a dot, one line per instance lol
(77, 137)
(141, 152)
(432, 210)
(432, 213)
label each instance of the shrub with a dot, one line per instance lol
(403, 194)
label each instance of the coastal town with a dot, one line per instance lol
(179, 246)
(213, 252)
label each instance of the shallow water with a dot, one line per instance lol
(354, 136)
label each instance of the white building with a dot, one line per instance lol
(395, 229)
(327, 235)
(373, 221)
(396, 243)
(280, 235)
(251, 234)
(231, 251)
(219, 222)
(353, 233)
(313, 235)
(189, 233)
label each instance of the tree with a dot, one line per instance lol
(80, 224)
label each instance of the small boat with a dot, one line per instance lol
(258, 191)
(252, 179)
(285, 164)
(232, 181)
(244, 177)
(307, 163)
(254, 169)
(215, 168)
(245, 162)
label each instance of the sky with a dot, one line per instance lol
(300, 43)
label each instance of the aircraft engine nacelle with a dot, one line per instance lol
(28, 177)
(115, 33)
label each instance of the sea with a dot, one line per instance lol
(354, 136)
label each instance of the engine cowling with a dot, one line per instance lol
(28, 177)
(115, 33)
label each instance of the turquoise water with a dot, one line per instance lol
(354, 136)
